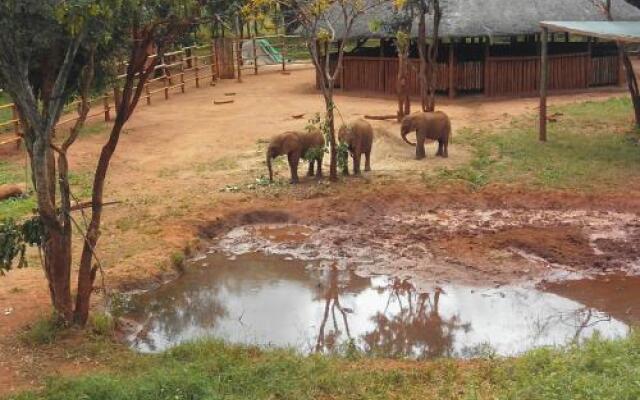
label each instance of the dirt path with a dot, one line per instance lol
(175, 158)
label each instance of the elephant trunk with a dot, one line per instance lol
(269, 165)
(404, 137)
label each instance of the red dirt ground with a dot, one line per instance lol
(177, 155)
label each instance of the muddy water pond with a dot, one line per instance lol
(269, 300)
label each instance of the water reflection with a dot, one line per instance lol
(415, 327)
(269, 301)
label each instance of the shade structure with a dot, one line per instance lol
(620, 31)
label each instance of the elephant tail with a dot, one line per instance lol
(404, 137)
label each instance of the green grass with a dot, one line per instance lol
(5, 114)
(43, 331)
(592, 145)
(598, 369)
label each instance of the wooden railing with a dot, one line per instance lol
(176, 71)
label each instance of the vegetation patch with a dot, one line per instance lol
(213, 370)
(43, 331)
(592, 145)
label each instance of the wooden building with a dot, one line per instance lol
(489, 47)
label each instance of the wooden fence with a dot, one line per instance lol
(176, 71)
(493, 76)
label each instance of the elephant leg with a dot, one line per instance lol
(319, 169)
(345, 169)
(445, 153)
(440, 151)
(356, 163)
(367, 161)
(420, 153)
(311, 172)
(294, 158)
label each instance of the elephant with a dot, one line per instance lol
(358, 136)
(296, 145)
(428, 125)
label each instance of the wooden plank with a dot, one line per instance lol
(543, 85)
(452, 71)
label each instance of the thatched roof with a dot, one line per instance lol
(487, 17)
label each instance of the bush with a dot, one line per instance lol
(43, 331)
(102, 324)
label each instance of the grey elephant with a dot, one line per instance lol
(297, 145)
(428, 125)
(358, 136)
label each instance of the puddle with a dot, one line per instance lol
(268, 300)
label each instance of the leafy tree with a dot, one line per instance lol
(313, 19)
(51, 51)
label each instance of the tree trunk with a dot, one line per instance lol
(402, 89)
(57, 264)
(328, 101)
(422, 54)
(432, 65)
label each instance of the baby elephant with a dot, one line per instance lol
(358, 136)
(428, 125)
(296, 145)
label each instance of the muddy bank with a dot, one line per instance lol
(444, 245)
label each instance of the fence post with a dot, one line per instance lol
(238, 48)
(452, 69)
(148, 92)
(196, 66)
(255, 57)
(166, 88)
(116, 96)
(622, 77)
(215, 68)
(16, 123)
(107, 109)
(284, 53)
(182, 79)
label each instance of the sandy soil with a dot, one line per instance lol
(180, 161)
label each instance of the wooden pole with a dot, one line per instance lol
(196, 66)
(452, 70)
(284, 53)
(16, 119)
(487, 54)
(621, 70)
(148, 92)
(543, 84)
(16, 124)
(590, 62)
(255, 56)
(238, 47)
(166, 88)
(116, 96)
(215, 67)
(107, 109)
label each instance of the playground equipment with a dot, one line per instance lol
(265, 53)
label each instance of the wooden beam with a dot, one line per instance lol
(590, 63)
(487, 53)
(622, 80)
(452, 70)
(543, 84)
